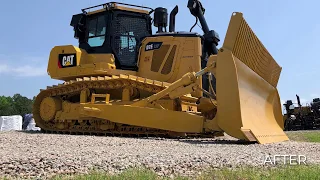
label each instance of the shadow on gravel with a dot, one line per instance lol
(200, 141)
(183, 140)
(31, 132)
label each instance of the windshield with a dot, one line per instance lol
(97, 31)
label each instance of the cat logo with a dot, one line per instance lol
(67, 60)
(153, 46)
(149, 47)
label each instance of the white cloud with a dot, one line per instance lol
(3, 68)
(314, 95)
(23, 71)
(310, 72)
(23, 67)
(28, 71)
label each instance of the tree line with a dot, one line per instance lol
(15, 105)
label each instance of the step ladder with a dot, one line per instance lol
(106, 98)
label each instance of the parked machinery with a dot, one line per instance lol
(315, 112)
(125, 80)
(302, 117)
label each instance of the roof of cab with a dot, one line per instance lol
(118, 6)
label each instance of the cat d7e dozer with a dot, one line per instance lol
(125, 80)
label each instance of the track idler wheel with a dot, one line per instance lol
(49, 107)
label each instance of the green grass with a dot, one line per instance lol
(128, 175)
(245, 173)
(288, 172)
(306, 136)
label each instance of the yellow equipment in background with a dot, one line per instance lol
(124, 80)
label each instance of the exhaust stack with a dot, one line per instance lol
(172, 23)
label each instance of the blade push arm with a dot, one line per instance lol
(183, 86)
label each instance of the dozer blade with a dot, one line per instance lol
(247, 76)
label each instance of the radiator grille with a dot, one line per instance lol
(158, 57)
(168, 65)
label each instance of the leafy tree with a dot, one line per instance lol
(6, 106)
(16, 105)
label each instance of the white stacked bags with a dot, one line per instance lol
(32, 126)
(9, 123)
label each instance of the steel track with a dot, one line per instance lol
(90, 127)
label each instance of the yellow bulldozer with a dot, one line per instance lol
(123, 79)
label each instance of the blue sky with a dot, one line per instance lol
(288, 29)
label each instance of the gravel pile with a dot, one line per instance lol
(25, 155)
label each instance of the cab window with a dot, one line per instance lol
(97, 31)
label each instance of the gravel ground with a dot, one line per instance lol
(26, 155)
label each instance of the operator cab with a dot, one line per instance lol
(119, 29)
(114, 29)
